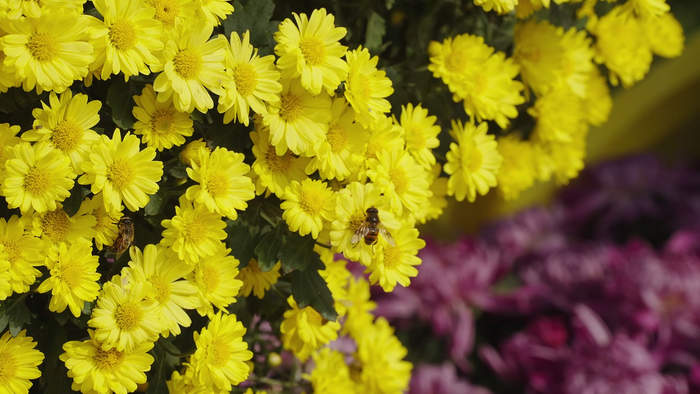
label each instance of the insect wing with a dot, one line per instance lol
(359, 234)
(387, 236)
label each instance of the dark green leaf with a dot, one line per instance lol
(120, 101)
(241, 242)
(297, 253)
(4, 319)
(72, 203)
(19, 315)
(154, 205)
(254, 16)
(375, 32)
(267, 251)
(163, 365)
(53, 377)
(178, 170)
(309, 289)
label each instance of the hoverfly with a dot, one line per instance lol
(125, 236)
(370, 229)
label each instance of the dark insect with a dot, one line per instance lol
(371, 228)
(125, 236)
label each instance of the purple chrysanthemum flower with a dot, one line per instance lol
(433, 379)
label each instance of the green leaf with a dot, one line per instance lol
(254, 16)
(178, 170)
(309, 289)
(297, 253)
(375, 32)
(72, 203)
(53, 377)
(19, 315)
(120, 101)
(163, 365)
(267, 250)
(154, 205)
(241, 242)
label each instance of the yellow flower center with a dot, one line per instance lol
(474, 160)
(42, 46)
(120, 173)
(336, 138)
(8, 368)
(277, 163)
(456, 60)
(360, 87)
(107, 359)
(290, 107)
(12, 250)
(166, 11)
(220, 352)
(36, 181)
(313, 50)
(55, 225)
(187, 63)
(216, 185)
(414, 139)
(128, 316)
(162, 121)
(311, 200)
(161, 290)
(356, 221)
(122, 35)
(66, 135)
(392, 256)
(194, 231)
(246, 79)
(400, 180)
(70, 274)
(210, 278)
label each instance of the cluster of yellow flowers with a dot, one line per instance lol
(569, 93)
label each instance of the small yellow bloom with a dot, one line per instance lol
(381, 355)
(331, 374)
(56, 226)
(665, 34)
(105, 229)
(310, 50)
(19, 359)
(20, 252)
(420, 133)
(160, 124)
(306, 205)
(500, 6)
(8, 139)
(517, 171)
(214, 11)
(215, 278)
(74, 277)
(395, 264)
(304, 330)
(190, 153)
(366, 88)
(257, 281)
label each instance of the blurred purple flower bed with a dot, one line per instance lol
(596, 293)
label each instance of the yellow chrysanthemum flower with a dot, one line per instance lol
(97, 370)
(48, 52)
(171, 292)
(336, 276)
(525, 8)
(472, 162)
(214, 11)
(350, 213)
(493, 92)
(396, 263)
(311, 50)
(382, 358)
(123, 173)
(67, 124)
(160, 124)
(215, 278)
(190, 153)
(384, 136)
(359, 307)
(563, 160)
(5, 275)
(645, 8)
(559, 115)
(15, 9)
(299, 121)
(257, 281)
(186, 384)
(20, 252)
(457, 57)
(221, 356)
(598, 102)
(420, 133)
(254, 83)
(125, 39)
(341, 152)
(500, 6)
(665, 35)
(74, 277)
(330, 373)
(517, 171)
(173, 14)
(402, 181)
(304, 330)
(124, 317)
(8, 139)
(194, 232)
(622, 46)
(105, 228)
(8, 77)
(438, 202)
(191, 64)
(37, 177)
(56, 226)
(274, 172)
(223, 182)
(366, 88)
(306, 205)
(19, 360)
(539, 51)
